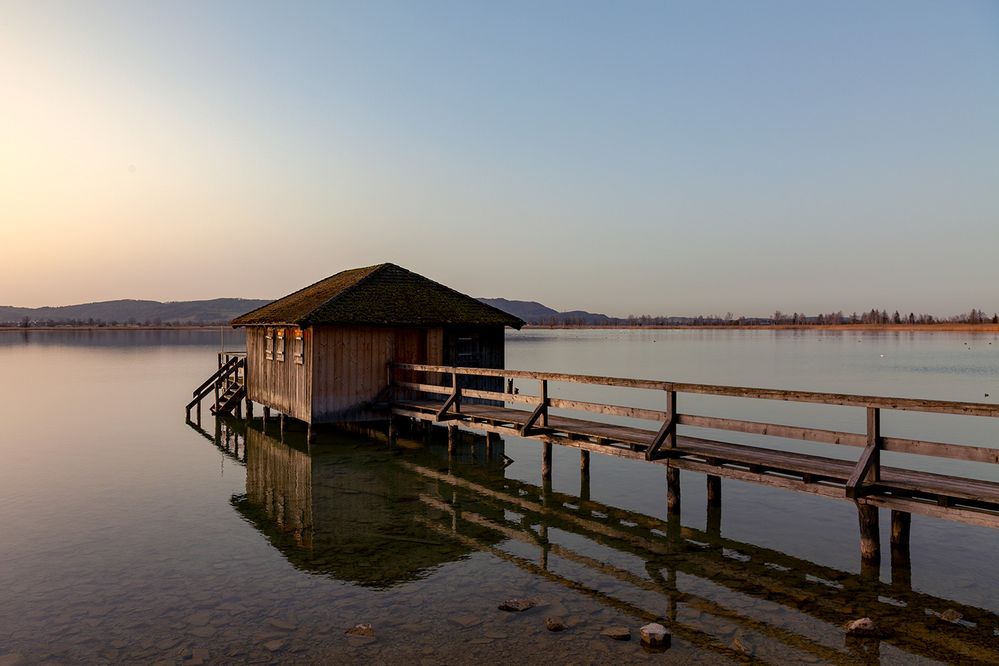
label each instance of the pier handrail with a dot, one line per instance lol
(852, 400)
(873, 404)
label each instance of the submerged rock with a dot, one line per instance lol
(617, 633)
(742, 646)
(517, 605)
(865, 626)
(951, 615)
(555, 624)
(361, 630)
(655, 635)
(274, 645)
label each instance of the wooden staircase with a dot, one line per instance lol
(227, 384)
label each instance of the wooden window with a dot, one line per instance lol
(468, 351)
(299, 347)
(279, 345)
(269, 344)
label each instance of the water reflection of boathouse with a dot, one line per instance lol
(376, 518)
(342, 510)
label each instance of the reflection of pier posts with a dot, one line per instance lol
(672, 491)
(545, 546)
(713, 524)
(901, 564)
(870, 540)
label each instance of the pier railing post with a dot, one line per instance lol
(868, 469)
(666, 437)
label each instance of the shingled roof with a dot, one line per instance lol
(385, 294)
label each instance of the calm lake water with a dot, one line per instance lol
(128, 536)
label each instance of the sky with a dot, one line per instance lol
(625, 158)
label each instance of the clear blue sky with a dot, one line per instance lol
(634, 157)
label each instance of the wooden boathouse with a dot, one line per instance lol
(383, 342)
(321, 354)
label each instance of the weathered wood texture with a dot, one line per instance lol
(282, 385)
(350, 364)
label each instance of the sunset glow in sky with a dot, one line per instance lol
(656, 157)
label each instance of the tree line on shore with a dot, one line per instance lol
(873, 316)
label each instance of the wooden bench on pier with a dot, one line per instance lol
(434, 394)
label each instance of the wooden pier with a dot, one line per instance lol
(435, 394)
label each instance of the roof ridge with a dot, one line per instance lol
(453, 290)
(379, 294)
(375, 269)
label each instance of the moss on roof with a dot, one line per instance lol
(385, 294)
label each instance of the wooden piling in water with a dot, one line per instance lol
(870, 537)
(901, 563)
(714, 490)
(584, 462)
(546, 460)
(672, 491)
(452, 440)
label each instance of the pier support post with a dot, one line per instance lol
(249, 410)
(452, 440)
(546, 460)
(672, 491)
(870, 540)
(714, 490)
(267, 416)
(584, 462)
(492, 439)
(392, 432)
(901, 563)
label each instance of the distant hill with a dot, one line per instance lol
(535, 313)
(218, 310)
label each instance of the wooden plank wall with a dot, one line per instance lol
(351, 363)
(282, 385)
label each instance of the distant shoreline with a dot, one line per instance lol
(184, 327)
(901, 328)
(880, 328)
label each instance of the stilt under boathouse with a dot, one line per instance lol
(322, 354)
